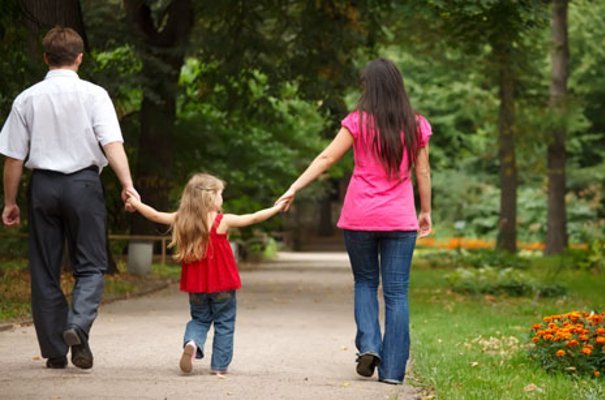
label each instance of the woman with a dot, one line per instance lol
(378, 216)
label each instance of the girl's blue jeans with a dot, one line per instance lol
(386, 255)
(208, 308)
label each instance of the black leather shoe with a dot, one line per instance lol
(81, 356)
(56, 363)
(366, 363)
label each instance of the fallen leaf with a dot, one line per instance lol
(532, 387)
(474, 364)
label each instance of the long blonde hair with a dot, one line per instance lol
(191, 229)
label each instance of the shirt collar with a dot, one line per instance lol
(65, 73)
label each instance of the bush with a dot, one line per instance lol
(572, 343)
(500, 281)
(494, 258)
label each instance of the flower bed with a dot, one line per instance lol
(572, 343)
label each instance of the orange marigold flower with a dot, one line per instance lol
(596, 374)
(583, 338)
(560, 353)
(535, 339)
(587, 350)
(536, 326)
(600, 331)
(600, 340)
(572, 343)
(548, 337)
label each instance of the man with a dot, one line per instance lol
(65, 130)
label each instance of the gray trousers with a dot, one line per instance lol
(65, 207)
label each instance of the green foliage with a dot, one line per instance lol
(257, 152)
(478, 258)
(500, 281)
(594, 258)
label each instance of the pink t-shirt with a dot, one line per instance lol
(373, 201)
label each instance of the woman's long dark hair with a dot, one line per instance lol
(386, 103)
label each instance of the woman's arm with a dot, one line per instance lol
(239, 221)
(423, 180)
(150, 213)
(328, 157)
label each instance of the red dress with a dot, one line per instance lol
(217, 271)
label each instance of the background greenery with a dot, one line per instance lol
(260, 91)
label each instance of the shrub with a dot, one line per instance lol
(497, 281)
(572, 343)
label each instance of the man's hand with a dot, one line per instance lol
(11, 215)
(127, 193)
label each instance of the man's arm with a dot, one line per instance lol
(13, 169)
(119, 163)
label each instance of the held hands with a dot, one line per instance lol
(287, 198)
(425, 224)
(129, 195)
(11, 215)
(132, 201)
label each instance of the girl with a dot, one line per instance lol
(209, 272)
(378, 215)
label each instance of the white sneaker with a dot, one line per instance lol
(188, 356)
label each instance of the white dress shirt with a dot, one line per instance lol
(60, 124)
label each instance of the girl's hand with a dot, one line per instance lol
(132, 201)
(425, 224)
(281, 205)
(287, 198)
(127, 195)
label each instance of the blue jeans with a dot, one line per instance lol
(218, 308)
(387, 254)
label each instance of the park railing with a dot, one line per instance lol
(164, 240)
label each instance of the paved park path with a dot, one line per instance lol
(293, 340)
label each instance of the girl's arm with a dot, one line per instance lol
(423, 180)
(239, 221)
(328, 157)
(149, 212)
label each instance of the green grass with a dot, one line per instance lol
(475, 347)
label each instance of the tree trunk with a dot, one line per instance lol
(507, 229)
(162, 49)
(556, 234)
(336, 109)
(40, 16)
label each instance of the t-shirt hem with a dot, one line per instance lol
(378, 228)
(211, 291)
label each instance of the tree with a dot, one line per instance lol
(494, 29)
(163, 32)
(556, 234)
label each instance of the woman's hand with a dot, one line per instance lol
(425, 224)
(287, 198)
